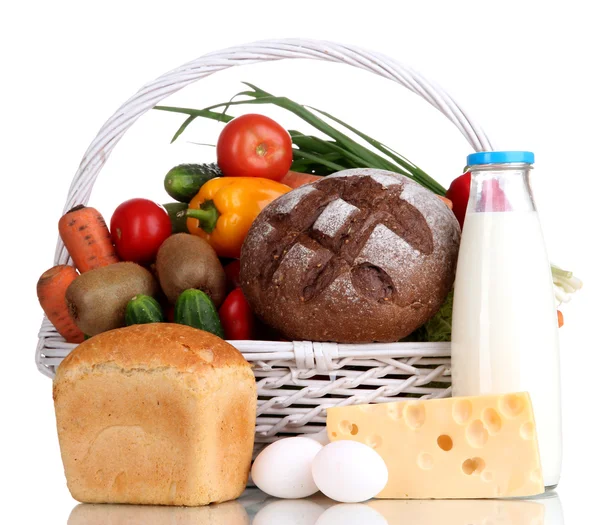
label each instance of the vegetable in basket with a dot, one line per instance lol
(237, 317)
(194, 308)
(86, 238)
(458, 193)
(254, 146)
(51, 289)
(323, 156)
(138, 228)
(143, 309)
(225, 208)
(295, 179)
(176, 211)
(184, 181)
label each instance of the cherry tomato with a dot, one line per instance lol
(138, 228)
(237, 317)
(232, 274)
(254, 146)
(458, 193)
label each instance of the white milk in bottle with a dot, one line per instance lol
(504, 327)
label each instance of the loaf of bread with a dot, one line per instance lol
(360, 256)
(155, 414)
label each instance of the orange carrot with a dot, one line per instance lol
(51, 289)
(561, 318)
(87, 238)
(294, 179)
(446, 201)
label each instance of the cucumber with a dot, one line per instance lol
(176, 211)
(183, 182)
(194, 308)
(143, 309)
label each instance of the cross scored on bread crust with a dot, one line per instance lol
(334, 219)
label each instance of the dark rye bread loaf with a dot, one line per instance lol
(362, 255)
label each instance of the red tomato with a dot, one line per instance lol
(458, 193)
(237, 317)
(138, 228)
(254, 146)
(232, 274)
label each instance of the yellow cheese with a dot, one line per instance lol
(469, 447)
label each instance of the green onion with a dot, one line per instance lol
(313, 154)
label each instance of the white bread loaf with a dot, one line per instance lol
(155, 414)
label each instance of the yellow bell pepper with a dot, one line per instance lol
(224, 209)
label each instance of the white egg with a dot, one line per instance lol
(351, 514)
(349, 471)
(289, 512)
(283, 469)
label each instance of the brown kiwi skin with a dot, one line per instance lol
(97, 299)
(186, 261)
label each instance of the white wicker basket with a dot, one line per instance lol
(297, 381)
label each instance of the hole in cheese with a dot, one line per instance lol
(487, 476)
(425, 461)
(414, 414)
(527, 430)
(345, 426)
(445, 442)
(492, 420)
(476, 434)
(473, 466)
(374, 441)
(511, 405)
(461, 411)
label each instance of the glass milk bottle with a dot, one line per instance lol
(504, 327)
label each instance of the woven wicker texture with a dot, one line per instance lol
(296, 381)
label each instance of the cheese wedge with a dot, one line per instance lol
(469, 447)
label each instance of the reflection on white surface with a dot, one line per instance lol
(541, 511)
(289, 512)
(351, 514)
(257, 508)
(230, 513)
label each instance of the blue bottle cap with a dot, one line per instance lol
(499, 157)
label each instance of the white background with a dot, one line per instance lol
(527, 71)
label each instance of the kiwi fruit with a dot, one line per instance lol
(97, 299)
(186, 261)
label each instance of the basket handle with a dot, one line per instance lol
(269, 50)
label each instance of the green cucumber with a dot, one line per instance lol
(183, 182)
(194, 308)
(143, 309)
(176, 211)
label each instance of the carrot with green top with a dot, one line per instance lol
(87, 238)
(51, 289)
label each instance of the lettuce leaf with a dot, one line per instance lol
(439, 328)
